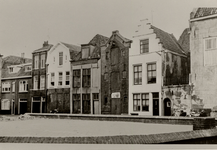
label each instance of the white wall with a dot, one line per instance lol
(136, 58)
(53, 66)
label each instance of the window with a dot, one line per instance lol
(67, 77)
(151, 73)
(85, 52)
(11, 69)
(144, 46)
(210, 51)
(52, 79)
(76, 103)
(86, 103)
(60, 58)
(60, 78)
(28, 68)
(95, 96)
(36, 61)
(42, 82)
(145, 102)
(76, 78)
(6, 87)
(35, 82)
(43, 61)
(138, 75)
(23, 86)
(86, 78)
(136, 102)
(13, 86)
(5, 104)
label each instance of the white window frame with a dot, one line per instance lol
(67, 78)
(4, 104)
(52, 79)
(60, 79)
(210, 52)
(6, 85)
(23, 87)
(36, 62)
(43, 61)
(42, 82)
(35, 82)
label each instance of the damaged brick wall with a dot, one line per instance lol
(115, 59)
(58, 99)
(180, 97)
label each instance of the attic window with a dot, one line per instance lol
(11, 70)
(85, 52)
(28, 68)
(144, 46)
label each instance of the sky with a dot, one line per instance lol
(26, 24)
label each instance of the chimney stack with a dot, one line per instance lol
(45, 43)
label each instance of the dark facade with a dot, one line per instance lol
(38, 92)
(114, 75)
(16, 84)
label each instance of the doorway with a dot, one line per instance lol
(116, 106)
(167, 107)
(155, 104)
(95, 107)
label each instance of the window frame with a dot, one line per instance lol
(86, 77)
(42, 87)
(67, 81)
(60, 58)
(23, 87)
(143, 50)
(138, 101)
(137, 72)
(35, 80)
(146, 99)
(60, 78)
(77, 78)
(6, 85)
(36, 61)
(52, 79)
(210, 52)
(43, 60)
(152, 63)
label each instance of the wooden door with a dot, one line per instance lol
(95, 107)
(155, 107)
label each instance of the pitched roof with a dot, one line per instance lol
(20, 73)
(98, 40)
(168, 41)
(14, 60)
(44, 48)
(203, 12)
(73, 49)
(184, 40)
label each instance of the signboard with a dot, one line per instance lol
(116, 95)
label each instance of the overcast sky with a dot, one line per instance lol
(26, 24)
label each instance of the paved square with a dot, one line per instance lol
(39, 127)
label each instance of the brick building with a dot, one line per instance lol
(16, 83)
(39, 79)
(114, 74)
(86, 77)
(58, 76)
(203, 45)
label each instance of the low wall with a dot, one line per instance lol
(127, 118)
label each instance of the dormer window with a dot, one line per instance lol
(28, 68)
(85, 52)
(11, 69)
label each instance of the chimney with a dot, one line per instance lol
(45, 43)
(22, 58)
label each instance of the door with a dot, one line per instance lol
(23, 107)
(95, 107)
(116, 106)
(36, 107)
(167, 107)
(155, 107)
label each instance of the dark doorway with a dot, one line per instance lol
(116, 106)
(155, 104)
(36, 107)
(23, 107)
(167, 107)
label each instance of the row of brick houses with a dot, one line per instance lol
(148, 75)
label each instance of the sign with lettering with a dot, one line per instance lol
(116, 95)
